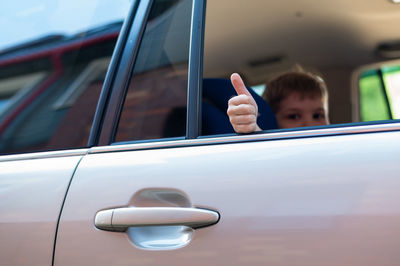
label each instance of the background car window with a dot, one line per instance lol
(155, 102)
(379, 93)
(53, 59)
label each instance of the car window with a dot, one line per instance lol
(155, 102)
(263, 40)
(53, 59)
(379, 93)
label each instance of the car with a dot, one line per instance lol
(116, 148)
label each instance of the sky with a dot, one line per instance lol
(24, 20)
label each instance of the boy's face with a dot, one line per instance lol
(301, 111)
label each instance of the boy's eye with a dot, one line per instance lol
(293, 116)
(318, 116)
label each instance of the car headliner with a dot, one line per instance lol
(255, 36)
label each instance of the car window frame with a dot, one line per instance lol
(116, 73)
(111, 99)
(134, 30)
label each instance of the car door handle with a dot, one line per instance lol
(120, 219)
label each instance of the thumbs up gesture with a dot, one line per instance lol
(242, 109)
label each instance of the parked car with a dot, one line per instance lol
(116, 148)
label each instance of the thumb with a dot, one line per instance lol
(238, 84)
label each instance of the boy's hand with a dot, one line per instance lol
(242, 109)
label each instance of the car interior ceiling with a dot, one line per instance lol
(259, 39)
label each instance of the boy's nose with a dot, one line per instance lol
(309, 122)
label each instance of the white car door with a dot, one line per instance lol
(151, 193)
(32, 191)
(328, 200)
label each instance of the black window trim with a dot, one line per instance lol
(195, 75)
(118, 74)
(385, 93)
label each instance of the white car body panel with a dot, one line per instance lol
(32, 191)
(330, 200)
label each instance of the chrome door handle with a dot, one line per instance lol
(120, 219)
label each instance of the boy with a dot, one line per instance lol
(298, 99)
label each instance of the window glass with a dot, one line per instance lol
(392, 83)
(259, 89)
(379, 91)
(373, 104)
(53, 61)
(155, 102)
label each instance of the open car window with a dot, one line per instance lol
(263, 39)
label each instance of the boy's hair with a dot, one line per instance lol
(303, 83)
